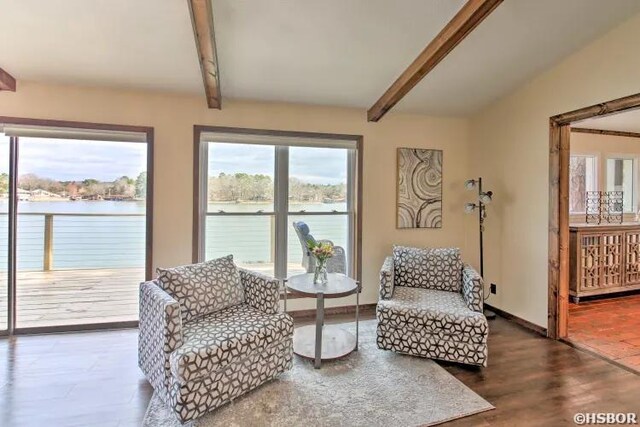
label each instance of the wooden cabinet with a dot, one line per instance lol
(604, 258)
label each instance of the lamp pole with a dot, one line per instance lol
(481, 224)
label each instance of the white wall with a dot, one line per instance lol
(173, 117)
(509, 149)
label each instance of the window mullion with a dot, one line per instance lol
(351, 202)
(281, 207)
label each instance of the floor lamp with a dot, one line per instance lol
(484, 198)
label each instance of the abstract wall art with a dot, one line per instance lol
(419, 202)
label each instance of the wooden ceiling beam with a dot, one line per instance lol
(465, 21)
(7, 82)
(202, 22)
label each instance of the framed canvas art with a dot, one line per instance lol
(419, 193)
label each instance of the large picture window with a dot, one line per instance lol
(252, 186)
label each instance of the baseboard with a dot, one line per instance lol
(520, 321)
(329, 311)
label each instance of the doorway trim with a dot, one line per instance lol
(558, 260)
(11, 312)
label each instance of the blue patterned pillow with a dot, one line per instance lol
(437, 268)
(203, 288)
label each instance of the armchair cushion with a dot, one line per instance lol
(439, 313)
(439, 269)
(203, 288)
(225, 337)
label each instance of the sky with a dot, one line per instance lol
(313, 165)
(74, 160)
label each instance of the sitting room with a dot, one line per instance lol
(298, 213)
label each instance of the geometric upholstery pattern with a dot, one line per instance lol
(196, 398)
(440, 313)
(201, 364)
(160, 334)
(386, 278)
(260, 291)
(472, 288)
(213, 342)
(430, 268)
(423, 344)
(336, 264)
(203, 288)
(424, 320)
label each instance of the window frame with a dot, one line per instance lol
(281, 202)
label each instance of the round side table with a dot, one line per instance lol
(324, 342)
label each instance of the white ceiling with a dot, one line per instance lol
(330, 52)
(121, 43)
(628, 121)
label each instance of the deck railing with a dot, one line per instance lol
(48, 241)
(56, 241)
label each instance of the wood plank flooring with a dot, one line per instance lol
(91, 379)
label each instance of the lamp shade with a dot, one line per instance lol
(486, 197)
(470, 184)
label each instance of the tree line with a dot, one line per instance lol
(243, 187)
(123, 186)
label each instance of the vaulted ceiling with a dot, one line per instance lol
(330, 52)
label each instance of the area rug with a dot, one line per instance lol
(370, 387)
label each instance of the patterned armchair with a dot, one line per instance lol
(431, 306)
(335, 264)
(210, 332)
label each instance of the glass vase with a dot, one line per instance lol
(320, 273)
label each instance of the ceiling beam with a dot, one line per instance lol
(607, 132)
(7, 82)
(467, 18)
(202, 22)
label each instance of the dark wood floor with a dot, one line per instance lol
(92, 379)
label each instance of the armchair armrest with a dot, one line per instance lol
(160, 334)
(386, 278)
(472, 288)
(261, 292)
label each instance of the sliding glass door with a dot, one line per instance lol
(81, 227)
(4, 231)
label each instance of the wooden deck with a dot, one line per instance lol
(71, 297)
(74, 297)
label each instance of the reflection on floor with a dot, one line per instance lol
(610, 327)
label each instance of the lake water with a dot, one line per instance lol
(118, 241)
